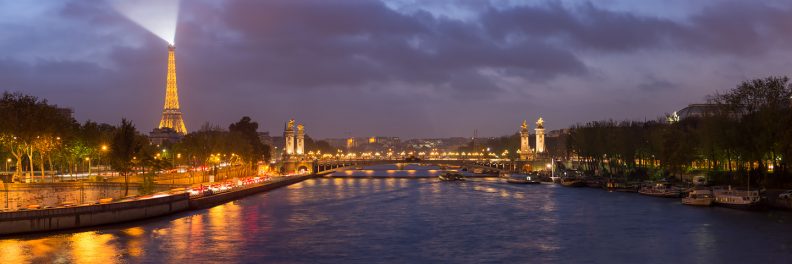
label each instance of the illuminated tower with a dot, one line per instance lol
(540, 140)
(288, 135)
(525, 144)
(171, 114)
(300, 149)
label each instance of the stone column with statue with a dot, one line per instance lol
(540, 136)
(300, 150)
(525, 144)
(288, 136)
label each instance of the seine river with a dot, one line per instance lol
(402, 220)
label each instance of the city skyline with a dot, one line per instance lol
(395, 131)
(394, 68)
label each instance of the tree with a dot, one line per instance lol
(23, 120)
(318, 145)
(210, 146)
(759, 108)
(45, 146)
(247, 130)
(125, 145)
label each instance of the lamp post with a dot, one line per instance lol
(103, 150)
(176, 165)
(8, 160)
(88, 159)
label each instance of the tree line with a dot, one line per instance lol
(743, 134)
(39, 141)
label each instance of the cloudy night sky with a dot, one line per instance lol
(405, 68)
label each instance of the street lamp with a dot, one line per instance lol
(104, 149)
(89, 165)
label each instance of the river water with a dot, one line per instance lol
(422, 220)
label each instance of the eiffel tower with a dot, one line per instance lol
(171, 114)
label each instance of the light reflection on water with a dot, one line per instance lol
(398, 220)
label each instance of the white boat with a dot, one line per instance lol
(699, 196)
(740, 199)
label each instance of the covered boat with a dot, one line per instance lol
(740, 199)
(699, 196)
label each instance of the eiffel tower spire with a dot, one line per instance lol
(171, 114)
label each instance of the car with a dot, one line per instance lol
(786, 195)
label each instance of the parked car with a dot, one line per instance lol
(785, 195)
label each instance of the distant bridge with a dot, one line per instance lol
(324, 166)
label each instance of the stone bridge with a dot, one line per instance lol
(324, 166)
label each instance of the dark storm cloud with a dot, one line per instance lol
(277, 59)
(586, 26)
(742, 27)
(307, 44)
(654, 84)
(729, 27)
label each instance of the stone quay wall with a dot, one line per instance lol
(62, 218)
(55, 219)
(20, 195)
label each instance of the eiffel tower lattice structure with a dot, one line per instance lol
(171, 113)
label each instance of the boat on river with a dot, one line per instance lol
(594, 183)
(727, 196)
(699, 196)
(660, 189)
(451, 176)
(521, 179)
(572, 182)
(619, 186)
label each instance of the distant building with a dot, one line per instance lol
(350, 144)
(160, 136)
(557, 133)
(276, 149)
(374, 144)
(338, 143)
(387, 142)
(696, 110)
(265, 138)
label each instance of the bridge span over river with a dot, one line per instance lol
(327, 166)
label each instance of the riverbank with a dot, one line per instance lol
(220, 198)
(770, 198)
(64, 218)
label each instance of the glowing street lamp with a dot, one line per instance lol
(103, 149)
(88, 159)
